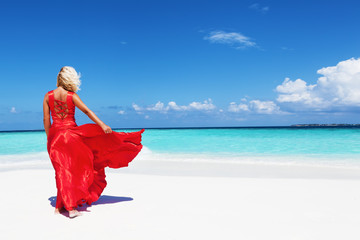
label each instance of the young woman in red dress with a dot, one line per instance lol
(79, 154)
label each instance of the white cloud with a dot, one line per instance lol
(159, 106)
(257, 7)
(256, 106)
(206, 105)
(296, 91)
(13, 110)
(136, 107)
(341, 83)
(339, 86)
(233, 107)
(174, 106)
(235, 39)
(264, 107)
(121, 112)
(253, 106)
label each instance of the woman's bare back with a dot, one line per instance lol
(60, 94)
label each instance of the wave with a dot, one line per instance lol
(41, 160)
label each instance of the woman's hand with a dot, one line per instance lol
(106, 128)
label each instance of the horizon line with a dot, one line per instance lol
(307, 125)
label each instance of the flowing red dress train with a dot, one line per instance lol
(79, 154)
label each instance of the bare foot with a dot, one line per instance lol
(74, 213)
(59, 210)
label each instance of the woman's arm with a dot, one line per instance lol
(78, 103)
(46, 113)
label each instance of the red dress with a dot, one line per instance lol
(79, 154)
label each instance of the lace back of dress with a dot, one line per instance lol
(61, 109)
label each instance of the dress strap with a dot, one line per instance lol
(51, 99)
(69, 100)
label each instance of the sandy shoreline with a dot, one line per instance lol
(202, 167)
(172, 200)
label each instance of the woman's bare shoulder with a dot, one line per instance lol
(74, 94)
(76, 98)
(46, 98)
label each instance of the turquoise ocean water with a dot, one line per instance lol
(286, 145)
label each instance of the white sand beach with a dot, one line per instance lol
(182, 200)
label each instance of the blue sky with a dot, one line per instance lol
(184, 63)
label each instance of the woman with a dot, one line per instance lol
(79, 154)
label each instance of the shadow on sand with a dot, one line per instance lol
(104, 199)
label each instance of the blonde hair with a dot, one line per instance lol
(68, 79)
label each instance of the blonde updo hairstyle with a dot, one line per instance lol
(68, 79)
